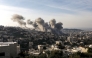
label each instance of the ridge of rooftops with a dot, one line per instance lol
(6, 43)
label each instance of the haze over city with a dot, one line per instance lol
(45, 29)
(72, 13)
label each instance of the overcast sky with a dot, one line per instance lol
(72, 13)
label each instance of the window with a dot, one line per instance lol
(2, 53)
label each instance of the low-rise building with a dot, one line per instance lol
(8, 49)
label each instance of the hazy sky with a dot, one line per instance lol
(72, 13)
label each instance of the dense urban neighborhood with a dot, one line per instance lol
(45, 29)
(17, 42)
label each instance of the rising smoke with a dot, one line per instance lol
(29, 22)
(59, 25)
(19, 19)
(40, 24)
(52, 23)
(44, 26)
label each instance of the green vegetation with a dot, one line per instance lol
(89, 50)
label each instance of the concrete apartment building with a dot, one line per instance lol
(8, 49)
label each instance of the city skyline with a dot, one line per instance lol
(72, 13)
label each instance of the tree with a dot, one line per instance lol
(89, 50)
(55, 54)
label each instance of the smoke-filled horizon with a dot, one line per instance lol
(62, 10)
(39, 24)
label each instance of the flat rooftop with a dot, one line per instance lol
(6, 43)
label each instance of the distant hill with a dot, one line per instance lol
(73, 29)
(87, 29)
